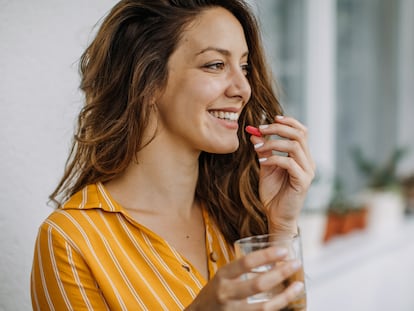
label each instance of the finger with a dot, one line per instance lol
(292, 122)
(289, 128)
(300, 179)
(297, 136)
(303, 132)
(271, 280)
(257, 141)
(252, 260)
(286, 132)
(292, 293)
(292, 148)
(232, 273)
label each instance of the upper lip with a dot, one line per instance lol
(226, 109)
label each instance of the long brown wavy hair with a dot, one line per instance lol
(122, 69)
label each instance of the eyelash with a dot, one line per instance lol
(215, 66)
(246, 69)
(220, 65)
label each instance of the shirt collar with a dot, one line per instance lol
(92, 197)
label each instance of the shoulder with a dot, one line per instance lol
(80, 212)
(64, 226)
(67, 220)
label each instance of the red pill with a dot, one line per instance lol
(253, 130)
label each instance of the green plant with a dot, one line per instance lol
(338, 203)
(379, 176)
(341, 203)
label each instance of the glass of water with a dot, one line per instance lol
(294, 247)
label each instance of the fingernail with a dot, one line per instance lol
(281, 252)
(261, 160)
(258, 145)
(280, 117)
(264, 126)
(298, 287)
(296, 264)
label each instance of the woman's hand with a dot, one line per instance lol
(228, 291)
(284, 180)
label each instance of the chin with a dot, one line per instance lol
(225, 149)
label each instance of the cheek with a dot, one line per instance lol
(190, 95)
(208, 90)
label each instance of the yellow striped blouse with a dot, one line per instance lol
(91, 255)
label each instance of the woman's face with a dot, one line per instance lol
(207, 85)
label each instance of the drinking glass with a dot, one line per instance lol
(294, 247)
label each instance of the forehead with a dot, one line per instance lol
(215, 26)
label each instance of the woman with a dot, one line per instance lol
(162, 177)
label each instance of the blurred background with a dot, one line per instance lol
(345, 68)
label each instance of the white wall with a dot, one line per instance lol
(406, 83)
(320, 94)
(40, 43)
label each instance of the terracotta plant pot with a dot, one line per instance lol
(408, 191)
(344, 223)
(334, 224)
(354, 220)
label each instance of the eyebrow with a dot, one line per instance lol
(219, 50)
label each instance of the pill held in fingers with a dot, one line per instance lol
(253, 130)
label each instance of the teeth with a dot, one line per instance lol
(231, 116)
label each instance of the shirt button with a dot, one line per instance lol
(213, 256)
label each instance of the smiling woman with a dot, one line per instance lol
(208, 83)
(162, 178)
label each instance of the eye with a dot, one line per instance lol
(215, 66)
(245, 68)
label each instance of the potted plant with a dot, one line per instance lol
(380, 177)
(344, 215)
(384, 193)
(408, 191)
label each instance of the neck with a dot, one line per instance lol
(162, 180)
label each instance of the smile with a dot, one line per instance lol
(225, 115)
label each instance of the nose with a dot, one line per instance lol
(239, 85)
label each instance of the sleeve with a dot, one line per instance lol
(60, 278)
